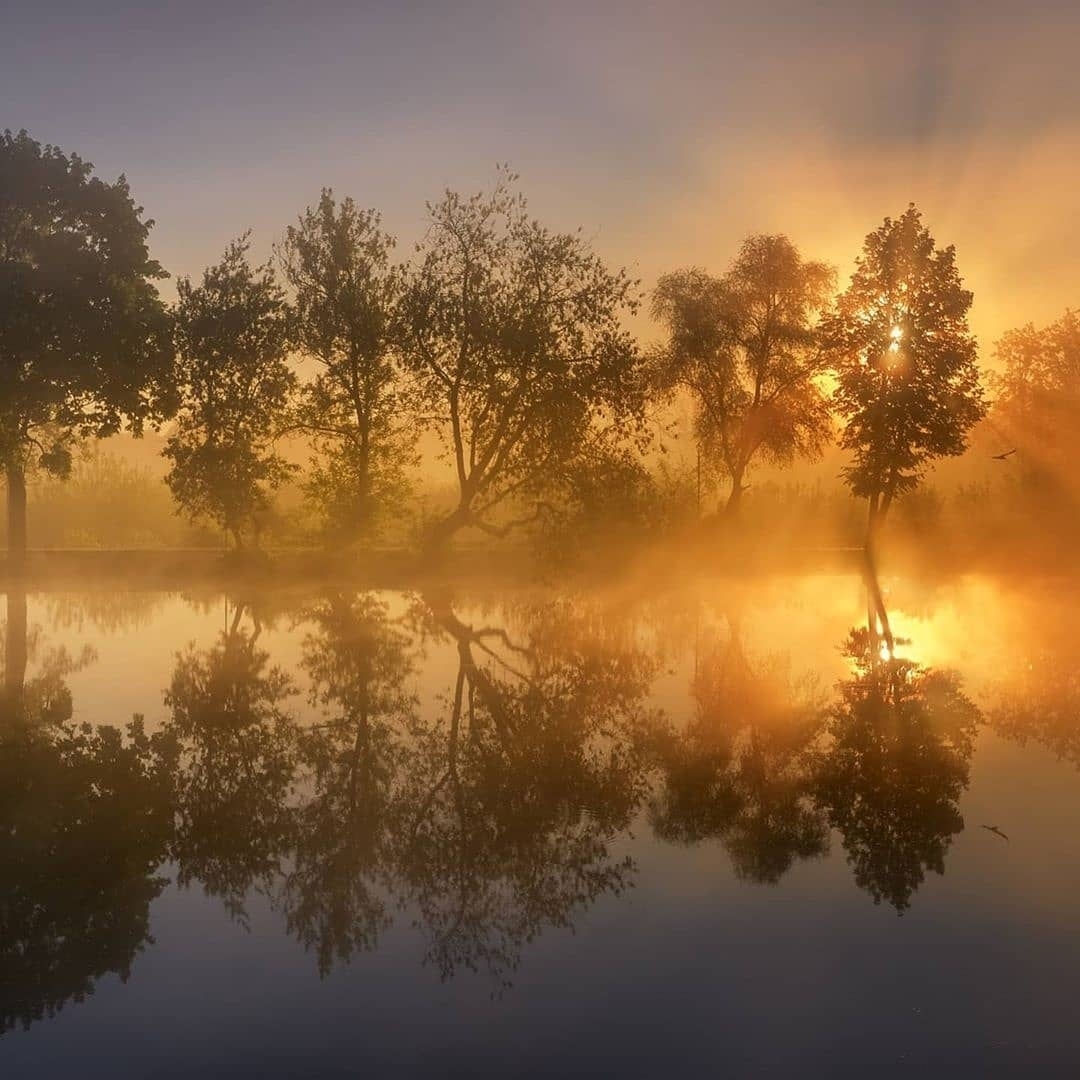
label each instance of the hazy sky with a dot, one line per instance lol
(668, 130)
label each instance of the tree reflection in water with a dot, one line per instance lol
(483, 814)
(742, 770)
(897, 762)
(235, 818)
(532, 767)
(85, 819)
(359, 662)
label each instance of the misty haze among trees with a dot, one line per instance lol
(499, 381)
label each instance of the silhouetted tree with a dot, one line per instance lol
(892, 776)
(1037, 402)
(234, 382)
(908, 383)
(84, 341)
(746, 347)
(346, 297)
(515, 335)
(1037, 693)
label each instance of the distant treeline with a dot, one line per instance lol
(506, 345)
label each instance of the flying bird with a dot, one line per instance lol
(1004, 457)
(996, 831)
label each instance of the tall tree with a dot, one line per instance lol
(84, 342)
(232, 338)
(515, 336)
(747, 348)
(908, 382)
(346, 297)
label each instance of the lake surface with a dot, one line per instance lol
(729, 827)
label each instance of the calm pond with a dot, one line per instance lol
(694, 831)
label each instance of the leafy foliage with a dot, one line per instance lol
(85, 819)
(346, 299)
(908, 382)
(897, 766)
(514, 334)
(1037, 406)
(232, 336)
(746, 347)
(84, 337)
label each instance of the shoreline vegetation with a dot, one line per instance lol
(489, 401)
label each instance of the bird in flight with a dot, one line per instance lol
(1004, 457)
(996, 831)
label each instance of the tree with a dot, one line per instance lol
(907, 377)
(84, 341)
(514, 334)
(346, 296)
(1037, 406)
(232, 337)
(747, 348)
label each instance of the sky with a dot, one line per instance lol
(668, 131)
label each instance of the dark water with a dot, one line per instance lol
(691, 832)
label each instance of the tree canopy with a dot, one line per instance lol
(747, 348)
(1037, 401)
(346, 296)
(908, 384)
(84, 339)
(232, 338)
(515, 335)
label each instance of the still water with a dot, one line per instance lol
(695, 831)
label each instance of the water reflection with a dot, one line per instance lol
(896, 764)
(467, 770)
(85, 821)
(359, 661)
(237, 763)
(742, 771)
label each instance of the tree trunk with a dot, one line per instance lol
(734, 499)
(441, 532)
(16, 511)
